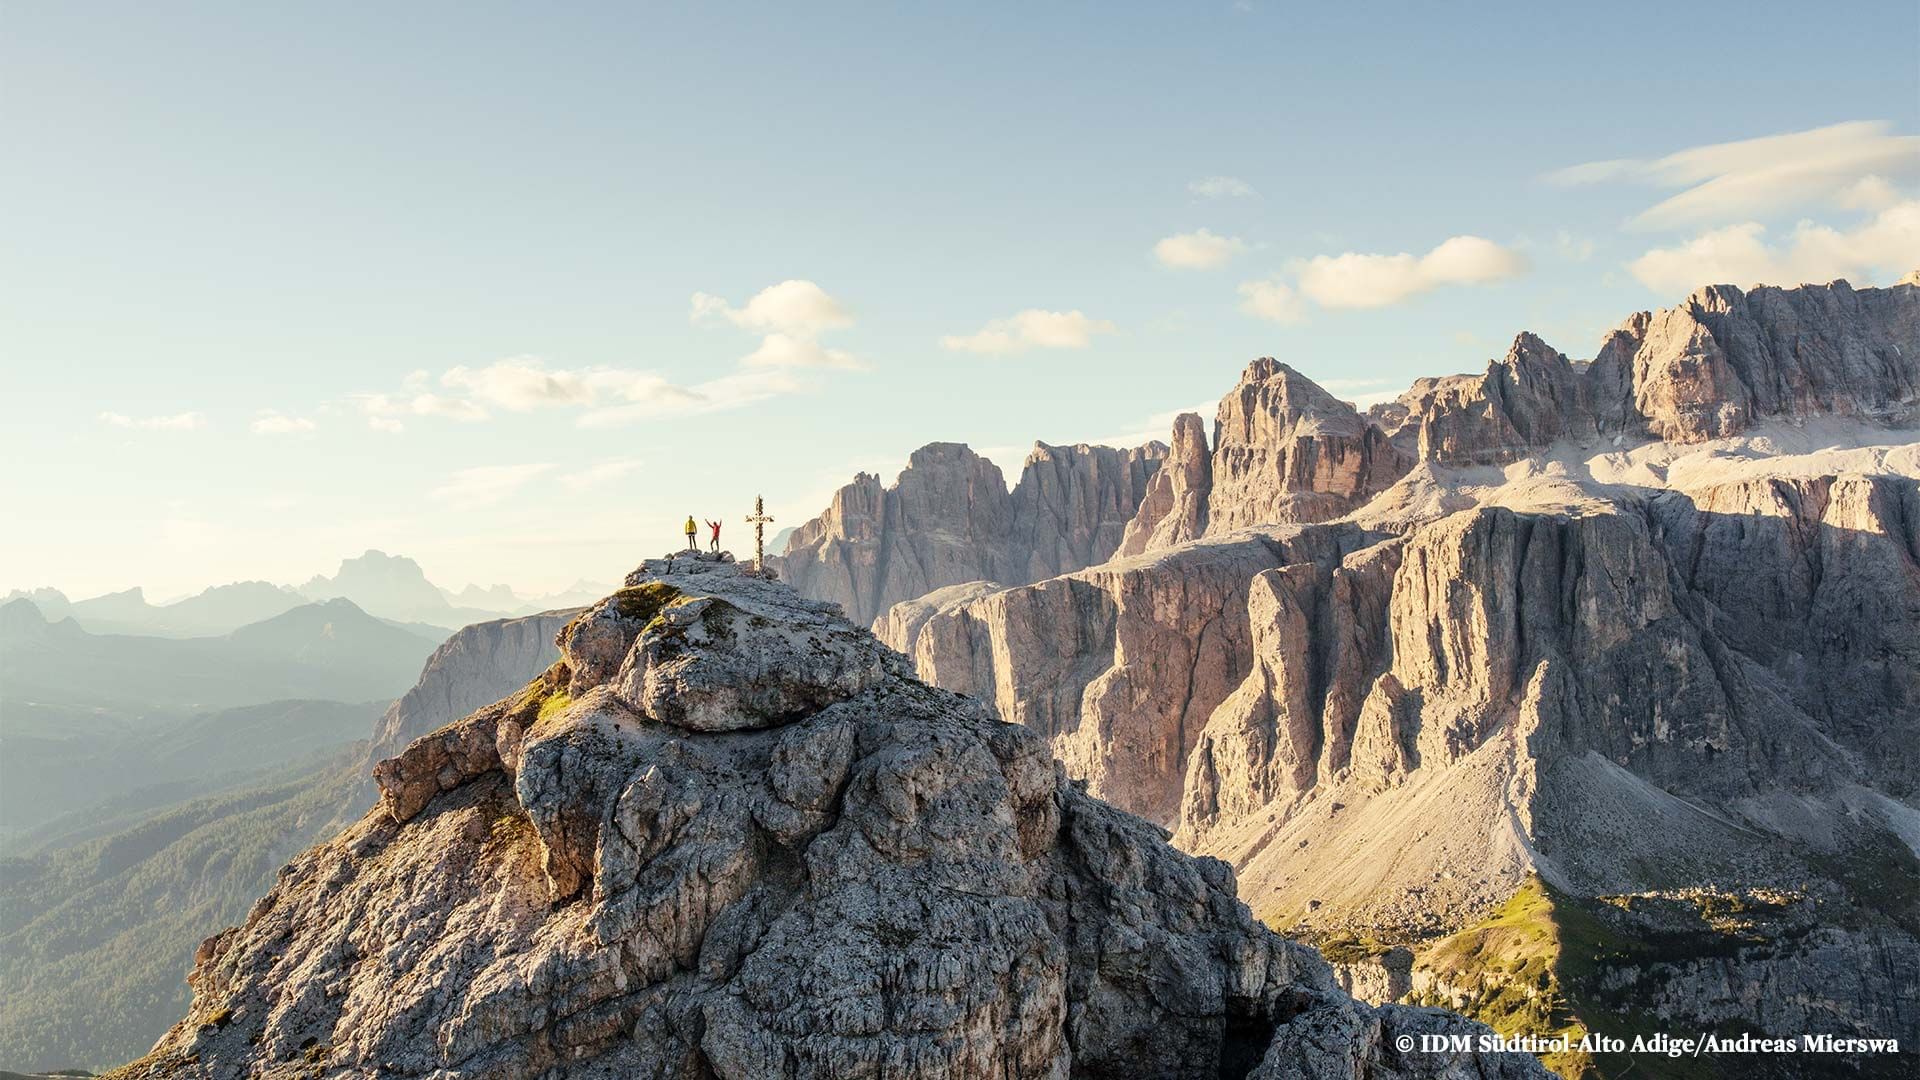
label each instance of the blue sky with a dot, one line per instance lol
(281, 281)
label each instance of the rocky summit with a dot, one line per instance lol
(728, 834)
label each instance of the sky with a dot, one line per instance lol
(515, 289)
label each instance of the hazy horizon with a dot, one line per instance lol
(514, 297)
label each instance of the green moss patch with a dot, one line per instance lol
(643, 603)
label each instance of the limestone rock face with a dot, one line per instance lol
(1524, 401)
(900, 627)
(478, 664)
(1287, 451)
(1174, 509)
(875, 879)
(1710, 368)
(1119, 665)
(1072, 505)
(949, 519)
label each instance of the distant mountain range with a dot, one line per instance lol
(333, 651)
(387, 586)
(130, 839)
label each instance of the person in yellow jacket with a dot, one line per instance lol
(692, 531)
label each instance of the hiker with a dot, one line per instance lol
(713, 545)
(692, 531)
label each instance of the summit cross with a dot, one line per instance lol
(758, 519)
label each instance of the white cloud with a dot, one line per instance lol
(1881, 248)
(520, 383)
(785, 351)
(794, 307)
(186, 421)
(1733, 181)
(729, 391)
(1030, 329)
(484, 485)
(1354, 280)
(525, 383)
(384, 412)
(790, 315)
(274, 422)
(1199, 250)
(1271, 299)
(599, 475)
(1221, 187)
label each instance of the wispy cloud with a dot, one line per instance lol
(1198, 250)
(1880, 248)
(274, 422)
(1752, 178)
(790, 315)
(186, 421)
(523, 383)
(605, 396)
(1030, 329)
(731, 391)
(1221, 187)
(485, 485)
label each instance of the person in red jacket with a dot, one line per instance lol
(713, 545)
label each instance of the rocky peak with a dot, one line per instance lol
(1272, 401)
(1174, 509)
(1284, 450)
(21, 618)
(726, 835)
(949, 519)
(391, 586)
(1073, 503)
(1708, 368)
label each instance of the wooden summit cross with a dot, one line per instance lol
(758, 519)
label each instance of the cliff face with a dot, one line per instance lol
(1680, 674)
(950, 519)
(726, 836)
(1120, 664)
(478, 664)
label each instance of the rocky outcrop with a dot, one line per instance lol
(1174, 509)
(1284, 451)
(1710, 368)
(829, 869)
(949, 519)
(900, 627)
(1287, 451)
